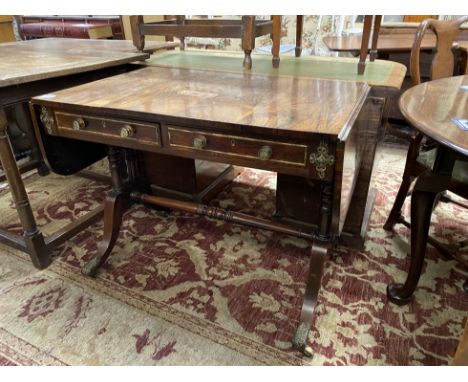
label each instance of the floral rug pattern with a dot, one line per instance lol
(179, 284)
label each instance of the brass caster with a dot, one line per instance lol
(300, 339)
(308, 352)
(91, 268)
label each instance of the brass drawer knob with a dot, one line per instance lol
(199, 142)
(78, 124)
(265, 152)
(127, 131)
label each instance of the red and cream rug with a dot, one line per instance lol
(186, 290)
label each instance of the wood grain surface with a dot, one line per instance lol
(431, 106)
(26, 61)
(387, 43)
(269, 103)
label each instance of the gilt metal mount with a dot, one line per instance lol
(46, 119)
(321, 159)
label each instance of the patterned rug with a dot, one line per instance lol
(187, 290)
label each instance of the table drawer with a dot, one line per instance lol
(288, 154)
(103, 129)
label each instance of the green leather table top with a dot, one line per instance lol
(378, 73)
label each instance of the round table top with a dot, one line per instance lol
(432, 108)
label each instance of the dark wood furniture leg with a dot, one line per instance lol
(137, 37)
(318, 258)
(299, 29)
(421, 211)
(395, 213)
(365, 44)
(33, 240)
(427, 187)
(276, 37)
(375, 37)
(168, 37)
(248, 39)
(117, 202)
(180, 19)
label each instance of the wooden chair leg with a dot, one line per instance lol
(421, 211)
(276, 40)
(180, 20)
(395, 213)
(137, 37)
(248, 39)
(299, 29)
(168, 37)
(375, 37)
(364, 44)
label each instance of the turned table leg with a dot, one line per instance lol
(117, 202)
(34, 241)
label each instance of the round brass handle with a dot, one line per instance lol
(265, 152)
(127, 131)
(78, 124)
(199, 142)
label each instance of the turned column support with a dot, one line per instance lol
(34, 240)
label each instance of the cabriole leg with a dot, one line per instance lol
(421, 211)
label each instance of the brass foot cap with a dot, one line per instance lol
(90, 269)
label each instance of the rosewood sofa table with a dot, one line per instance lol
(267, 122)
(433, 108)
(295, 195)
(29, 68)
